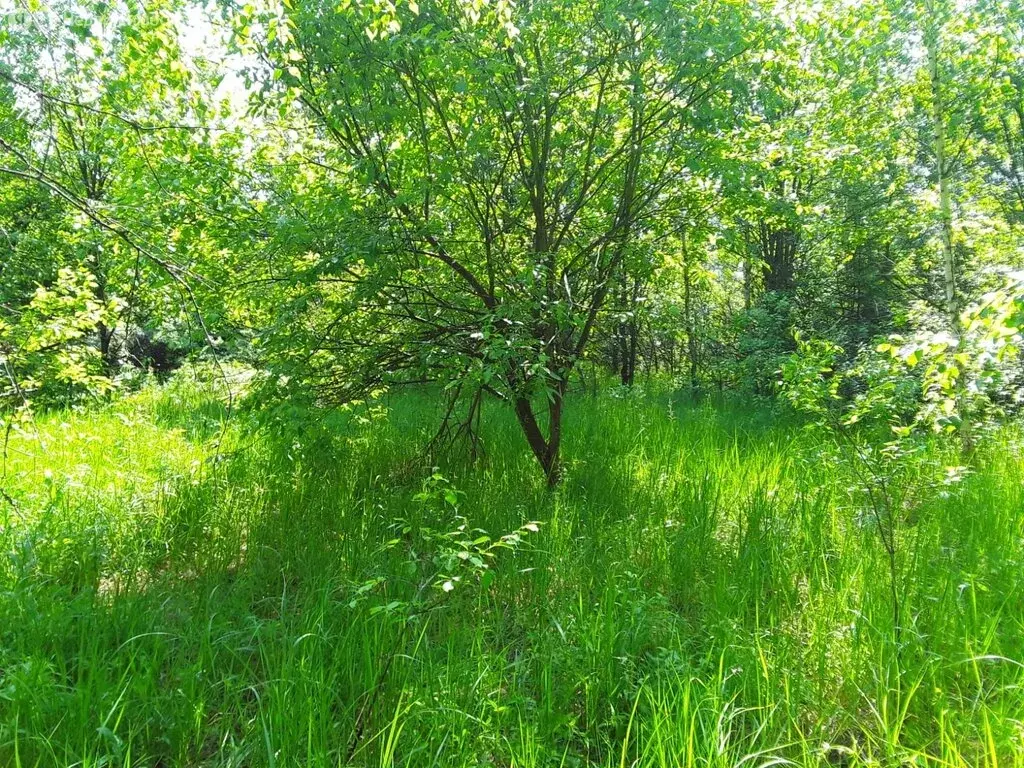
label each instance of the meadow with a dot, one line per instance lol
(180, 588)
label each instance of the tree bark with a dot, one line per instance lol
(547, 451)
(949, 267)
(691, 338)
(778, 252)
(748, 270)
(104, 333)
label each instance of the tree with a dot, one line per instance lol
(492, 169)
(1003, 114)
(111, 125)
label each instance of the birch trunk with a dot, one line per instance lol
(949, 268)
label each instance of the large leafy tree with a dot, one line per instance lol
(492, 172)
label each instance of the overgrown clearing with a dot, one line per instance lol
(700, 591)
(512, 383)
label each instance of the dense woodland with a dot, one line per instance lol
(493, 383)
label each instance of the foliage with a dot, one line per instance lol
(489, 196)
(42, 350)
(491, 177)
(110, 166)
(417, 241)
(702, 595)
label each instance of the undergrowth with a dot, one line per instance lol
(178, 588)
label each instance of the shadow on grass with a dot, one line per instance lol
(249, 616)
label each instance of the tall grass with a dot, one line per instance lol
(702, 591)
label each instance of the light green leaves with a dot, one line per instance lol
(46, 353)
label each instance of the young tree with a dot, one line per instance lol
(498, 164)
(1003, 114)
(954, 74)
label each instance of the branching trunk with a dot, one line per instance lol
(547, 450)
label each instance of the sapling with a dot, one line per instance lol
(868, 411)
(443, 561)
(882, 408)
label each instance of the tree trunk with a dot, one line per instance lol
(553, 466)
(104, 333)
(691, 338)
(629, 366)
(949, 267)
(546, 451)
(622, 338)
(625, 335)
(778, 253)
(748, 271)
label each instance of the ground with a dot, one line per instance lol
(704, 589)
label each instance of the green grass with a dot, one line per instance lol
(702, 591)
